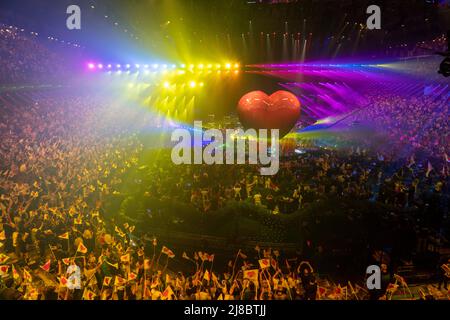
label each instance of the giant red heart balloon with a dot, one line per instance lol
(280, 111)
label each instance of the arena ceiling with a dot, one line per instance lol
(192, 27)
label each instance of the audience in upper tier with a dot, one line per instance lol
(25, 60)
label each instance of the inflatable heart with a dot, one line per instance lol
(279, 111)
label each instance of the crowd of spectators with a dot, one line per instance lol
(63, 157)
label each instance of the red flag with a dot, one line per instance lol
(338, 290)
(3, 258)
(46, 266)
(82, 248)
(392, 287)
(168, 252)
(15, 273)
(147, 264)
(119, 281)
(273, 262)
(251, 275)
(63, 281)
(66, 261)
(27, 275)
(274, 187)
(132, 276)
(125, 258)
(264, 263)
(64, 236)
(107, 281)
(4, 270)
(167, 294)
(321, 291)
(89, 295)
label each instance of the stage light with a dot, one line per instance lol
(174, 66)
(209, 66)
(166, 85)
(200, 66)
(155, 66)
(109, 66)
(118, 66)
(192, 84)
(91, 66)
(181, 72)
(228, 66)
(218, 66)
(183, 66)
(100, 66)
(147, 72)
(202, 84)
(146, 66)
(236, 65)
(128, 66)
(191, 66)
(138, 66)
(164, 66)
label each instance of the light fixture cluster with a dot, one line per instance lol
(161, 67)
(165, 68)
